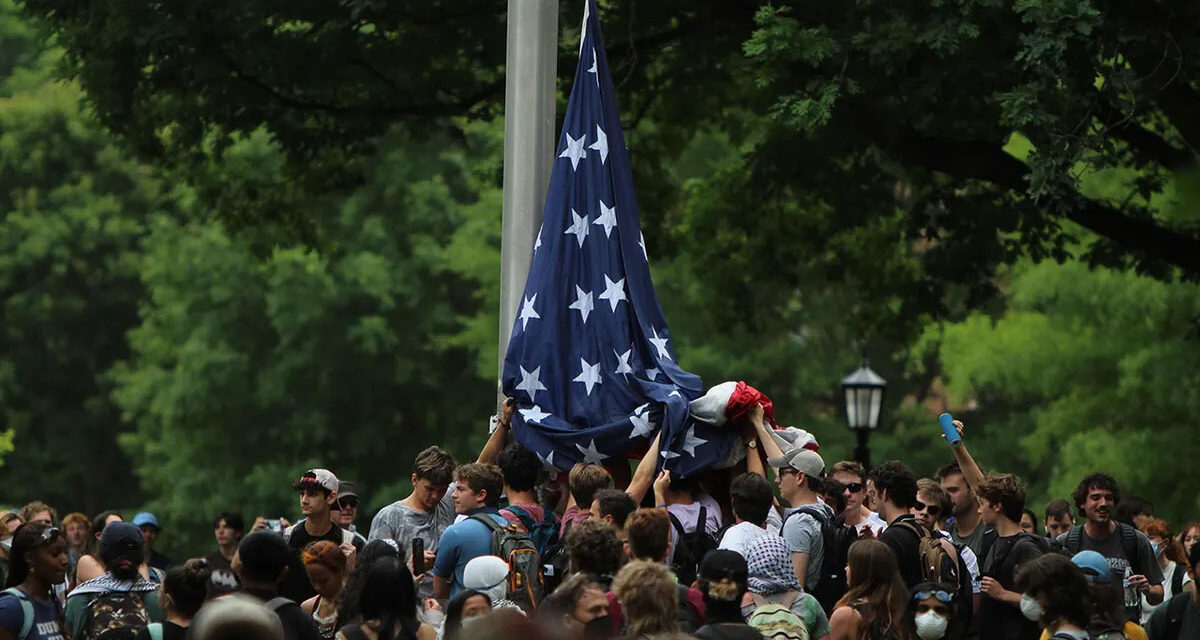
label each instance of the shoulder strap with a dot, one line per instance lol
(275, 604)
(918, 530)
(1177, 579)
(790, 599)
(522, 515)
(757, 599)
(702, 521)
(675, 523)
(1129, 542)
(27, 614)
(813, 511)
(1074, 540)
(487, 521)
(155, 629)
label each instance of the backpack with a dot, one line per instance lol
(347, 536)
(1176, 609)
(1129, 541)
(556, 562)
(936, 565)
(114, 614)
(1100, 630)
(776, 620)
(525, 584)
(27, 613)
(544, 534)
(691, 547)
(836, 539)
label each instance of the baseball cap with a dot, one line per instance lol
(1094, 566)
(145, 518)
(805, 461)
(346, 490)
(318, 478)
(118, 535)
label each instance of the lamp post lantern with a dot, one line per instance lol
(863, 390)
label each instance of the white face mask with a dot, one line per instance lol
(931, 626)
(1031, 608)
(6, 544)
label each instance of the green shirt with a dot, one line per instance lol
(973, 540)
(76, 611)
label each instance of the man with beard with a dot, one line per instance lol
(1133, 561)
(120, 597)
(967, 528)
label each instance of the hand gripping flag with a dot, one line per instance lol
(590, 360)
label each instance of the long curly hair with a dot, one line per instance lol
(876, 590)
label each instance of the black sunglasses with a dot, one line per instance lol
(854, 487)
(931, 509)
(349, 503)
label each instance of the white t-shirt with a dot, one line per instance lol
(739, 536)
(1168, 580)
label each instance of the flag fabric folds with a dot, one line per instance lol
(590, 360)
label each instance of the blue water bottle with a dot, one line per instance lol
(947, 422)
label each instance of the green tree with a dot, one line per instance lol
(248, 371)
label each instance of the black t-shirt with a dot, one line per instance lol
(722, 631)
(999, 620)
(906, 546)
(170, 631)
(296, 624)
(222, 580)
(296, 585)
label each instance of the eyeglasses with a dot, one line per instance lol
(783, 471)
(942, 596)
(931, 509)
(50, 535)
(854, 487)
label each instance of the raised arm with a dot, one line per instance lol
(643, 476)
(764, 435)
(971, 472)
(495, 443)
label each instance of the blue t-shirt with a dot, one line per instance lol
(45, 618)
(461, 543)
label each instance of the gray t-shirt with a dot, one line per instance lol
(972, 541)
(1121, 567)
(401, 523)
(803, 532)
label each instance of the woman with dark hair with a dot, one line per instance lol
(184, 591)
(931, 611)
(348, 613)
(873, 607)
(37, 563)
(463, 610)
(1029, 522)
(1052, 594)
(388, 606)
(89, 565)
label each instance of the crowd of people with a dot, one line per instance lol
(780, 546)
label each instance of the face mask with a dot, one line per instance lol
(597, 628)
(1031, 608)
(931, 626)
(1154, 546)
(6, 545)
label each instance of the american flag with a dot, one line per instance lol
(590, 360)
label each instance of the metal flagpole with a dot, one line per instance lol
(528, 147)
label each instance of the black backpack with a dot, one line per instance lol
(836, 539)
(691, 547)
(1129, 541)
(556, 562)
(1176, 609)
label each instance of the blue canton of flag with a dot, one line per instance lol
(590, 360)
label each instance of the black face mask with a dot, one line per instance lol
(598, 628)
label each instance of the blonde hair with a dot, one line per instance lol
(647, 593)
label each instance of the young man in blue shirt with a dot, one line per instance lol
(477, 492)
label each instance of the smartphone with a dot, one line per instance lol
(275, 524)
(418, 547)
(949, 429)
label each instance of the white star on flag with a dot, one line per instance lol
(593, 70)
(578, 228)
(531, 382)
(533, 414)
(527, 312)
(574, 150)
(601, 144)
(652, 373)
(668, 454)
(659, 343)
(614, 292)
(690, 442)
(589, 376)
(607, 219)
(623, 361)
(590, 455)
(538, 243)
(641, 243)
(675, 393)
(583, 302)
(548, 462)
(642, 426)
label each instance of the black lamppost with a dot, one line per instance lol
(864, 402)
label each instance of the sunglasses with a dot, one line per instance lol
(942, 596)
(854, 487)
(931, 509)
(348, 504)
